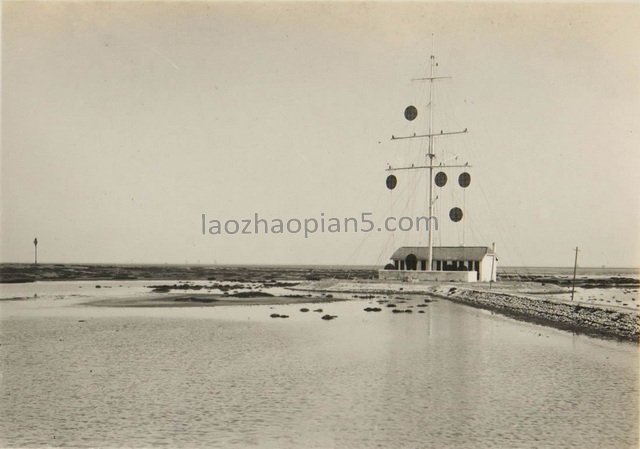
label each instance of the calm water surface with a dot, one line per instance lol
(233, 377)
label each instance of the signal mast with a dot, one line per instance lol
(410, 113)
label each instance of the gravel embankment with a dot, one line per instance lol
(590, 320)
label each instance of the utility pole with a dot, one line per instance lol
(575, 266)
(35, 244)
(493, 264)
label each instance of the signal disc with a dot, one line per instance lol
(410, 113)
(455, 214)
(392, 181)
(464, 179)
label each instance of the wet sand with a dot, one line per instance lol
(207, 300)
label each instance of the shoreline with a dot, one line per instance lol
(537, 308)
(593, 321)
(577, 317)
(606, 307)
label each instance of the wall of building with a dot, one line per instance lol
(436, 276)
(486, 275)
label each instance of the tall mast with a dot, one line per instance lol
(430, 156)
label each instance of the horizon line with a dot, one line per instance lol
(301, 265)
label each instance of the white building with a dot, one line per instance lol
(449, 263)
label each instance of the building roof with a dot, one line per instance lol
(443, 252)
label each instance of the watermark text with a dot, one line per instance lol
(366, 222)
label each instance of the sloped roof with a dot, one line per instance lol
(443, 252)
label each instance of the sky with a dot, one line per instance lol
(124, 123)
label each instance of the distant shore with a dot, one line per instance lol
(24, 273)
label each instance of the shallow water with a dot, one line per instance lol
(63, 290)
(96, 289)
(233, 377)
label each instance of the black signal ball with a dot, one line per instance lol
(392, 181)
(441, 179)
(455, 214)
(410, 113)
(464, 179)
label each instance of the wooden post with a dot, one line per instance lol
(493, 261)
(35, 244)
(575, 266)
